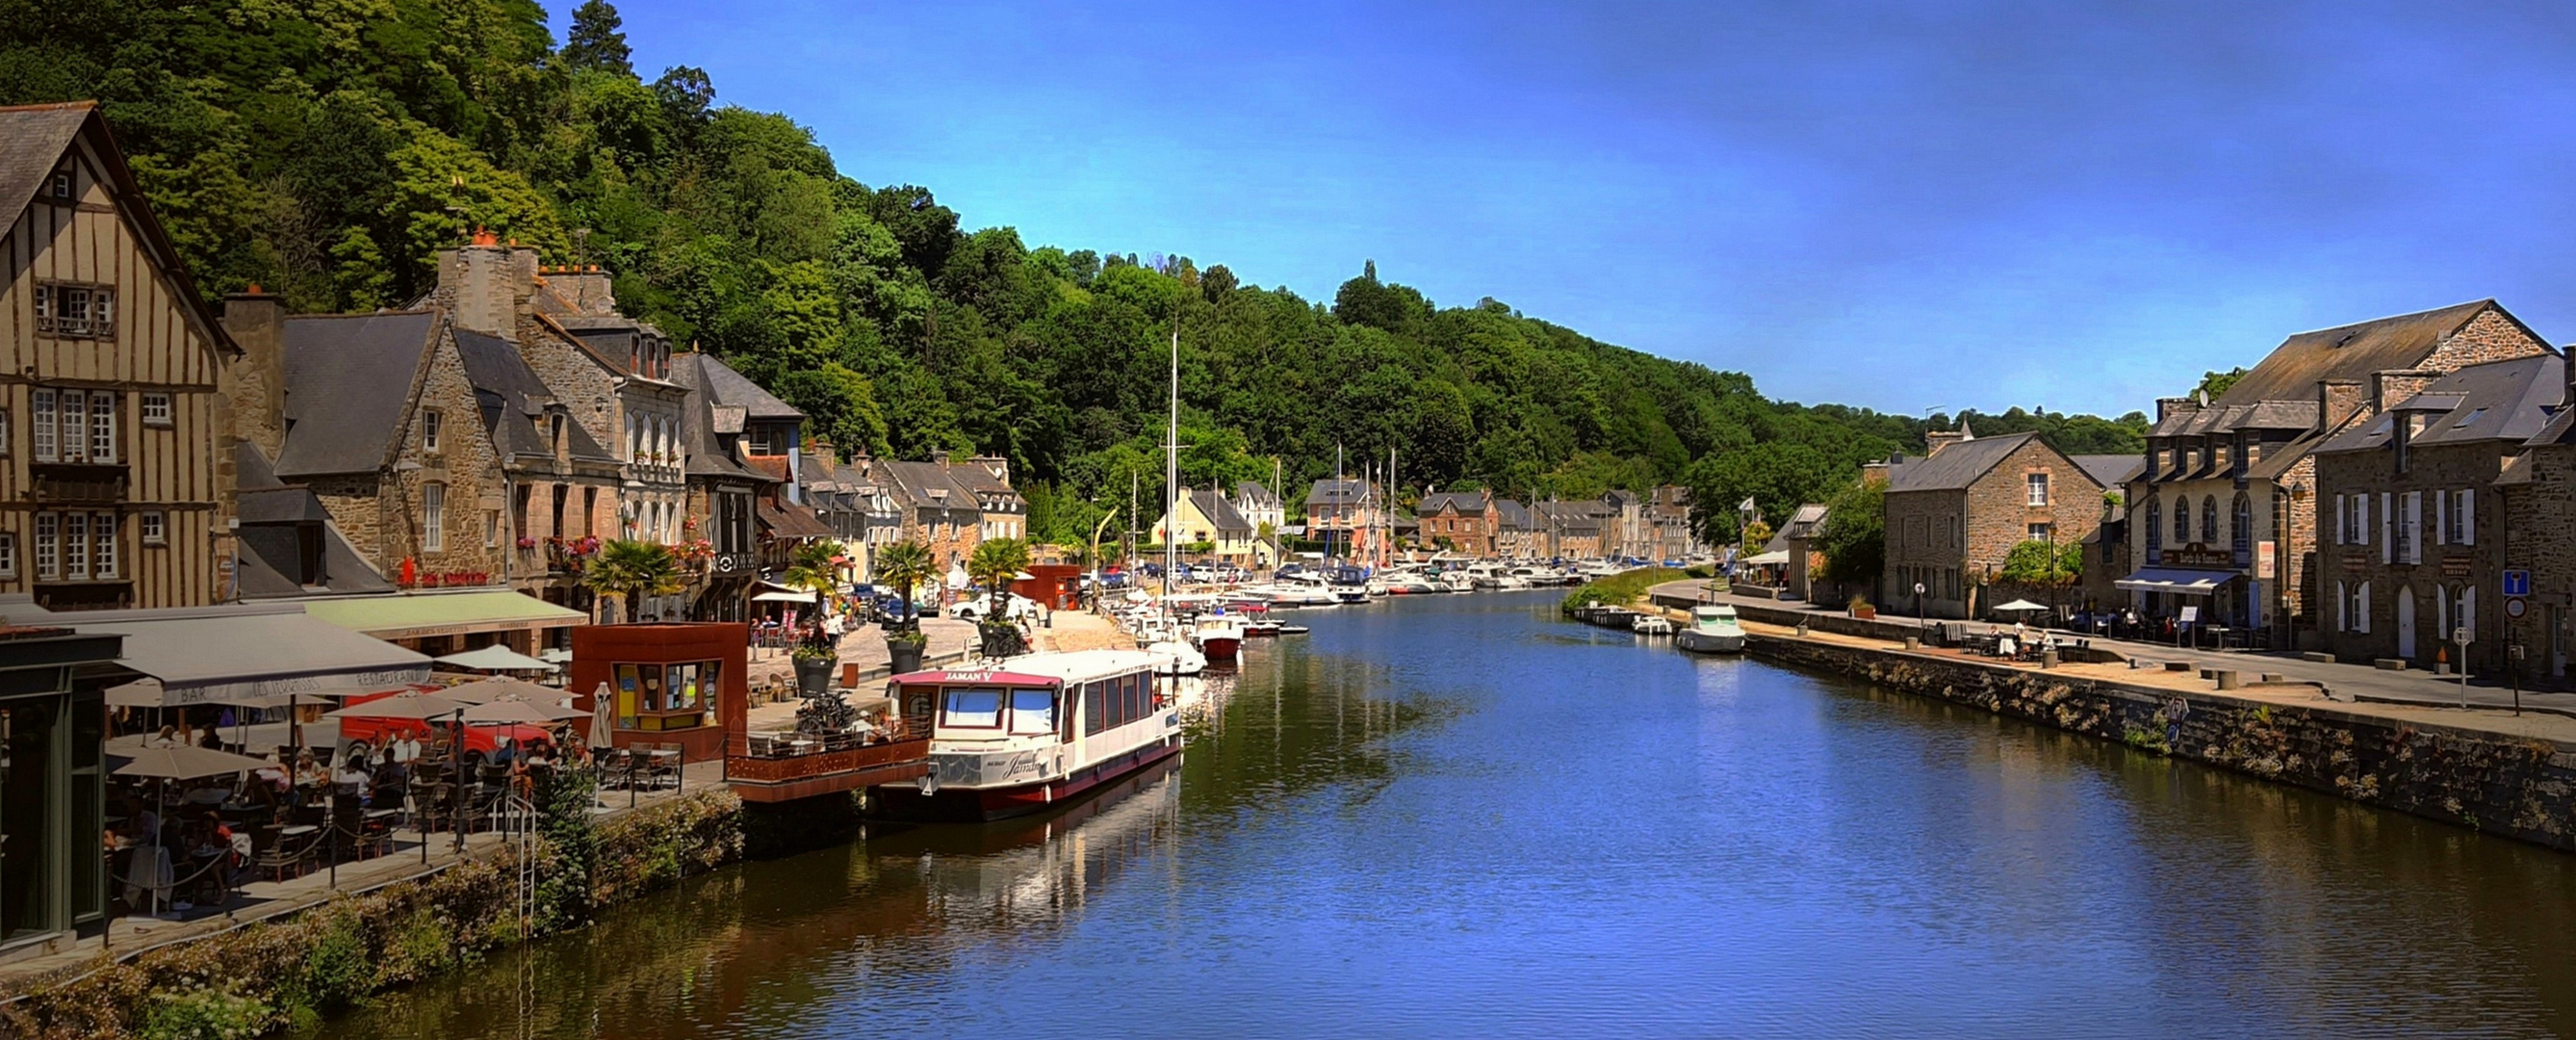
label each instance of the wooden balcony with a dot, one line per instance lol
(79, 483)
(782, 767)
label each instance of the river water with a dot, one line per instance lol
(1460, 816)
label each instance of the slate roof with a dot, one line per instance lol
(731, 387)
(914, 484)
(1515, 516)
(1339, 492)
(2225, 419)
(790, 521)
(513, 399)
(2293, 369)
(1467, 502)
(1803, 523)
(1252, 493)
(707, 454)
(1956, 466)
(269, 509)
(348, 380)
(1568, 517)
(1218, 511)
(2512, 400)
(2110, 471)
(33, 139)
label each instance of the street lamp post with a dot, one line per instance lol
(1918, 607)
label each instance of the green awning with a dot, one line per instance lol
(414, 615)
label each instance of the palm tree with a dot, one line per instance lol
(811, 568)
(630, 570)
(995, 563)
(905, 565)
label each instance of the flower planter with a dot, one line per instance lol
(814, 677)
(905, 655)
(1865, 613)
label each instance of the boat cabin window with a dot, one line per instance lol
(1032, 711)
(1111, 703)
(972, 709)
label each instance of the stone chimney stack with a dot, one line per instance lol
(2391, 387)
(996, 465)
(823, 452)
(2338, 400)
(586, 288)
(488, 287)
(1936, 440)
(257, 381)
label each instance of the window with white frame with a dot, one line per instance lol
(153, 528)
(102, 427)
(431, 421)
(2038, 488)
(2410, 532)
(75, 311)
(433, 518)
(8, 554)
(48, 547)
(75, 412)
(41, 424)
(76, 546)
(156, 409)
(103, 547)
(2042, 532)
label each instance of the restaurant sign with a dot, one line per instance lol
(2198, 556)
(208, 693)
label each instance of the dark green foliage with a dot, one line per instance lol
(1854, 535)
(332, 155)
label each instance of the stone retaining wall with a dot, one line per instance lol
(2514, 786)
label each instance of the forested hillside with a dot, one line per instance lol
(327, 149)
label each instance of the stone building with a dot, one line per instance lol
(1463, 521)
(1668, 524)
(1516, 534)
(1006, 513)
(935, 508)
(1268, 515)
(2416, 539)
(616, 371)
(1955, 514)
(121, 494)
(2537, 490)
(1568, 530)
(1348, 517)
(1623, 524)
(2224, 513)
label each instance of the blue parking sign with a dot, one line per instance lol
(2517, 582)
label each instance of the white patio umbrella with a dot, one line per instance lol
(495, 687)
(497, 658)
(2019, 606)
(514, 709)
(603, 708)
(403, 706)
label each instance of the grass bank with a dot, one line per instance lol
(1618, 589)
(288, 972)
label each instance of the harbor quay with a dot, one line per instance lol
(2352, 731)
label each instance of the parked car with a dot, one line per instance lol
(361, 735)
(974, 608)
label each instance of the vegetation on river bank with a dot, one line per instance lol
(1620, 589)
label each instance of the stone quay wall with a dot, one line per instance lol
(2521, 787)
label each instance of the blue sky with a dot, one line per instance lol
(1897, 205)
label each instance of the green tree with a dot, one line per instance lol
(2045, 565)
(1853, 537)
(812, 567)
(994, 564)
(905, 565)
(2216, 383)
(596, 41)
(631, 570)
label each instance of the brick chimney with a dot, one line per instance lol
(255, 383)
(823, 452)
(488, 288)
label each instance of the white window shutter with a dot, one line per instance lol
(2468, 617)
(2339, 519)
(2441, 612)
(2387, 530)
(2441, 518)
(2469, 517)
(2361, 603)
(2343, 609)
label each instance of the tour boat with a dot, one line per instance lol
(1218, 637)
(1031, 732)
(1712, 631)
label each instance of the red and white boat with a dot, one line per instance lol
(1219, 639)
(1031, 732)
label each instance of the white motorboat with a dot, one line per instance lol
(1713, 630)
(1651, 625)
(1407, 583)
(1178, 658)
(1456, 581)
(1219, 638)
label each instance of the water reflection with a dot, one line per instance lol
(1458, 816)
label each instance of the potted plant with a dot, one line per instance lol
(631, 570)
(813, 658)
(1861, 608)
(903, 566)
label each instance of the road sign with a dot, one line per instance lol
(2517, 582)
(2513, 608)
(2463, 636)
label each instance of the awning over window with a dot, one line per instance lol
(415, 615)
(2175, 580)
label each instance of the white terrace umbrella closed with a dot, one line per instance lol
(2018, 606)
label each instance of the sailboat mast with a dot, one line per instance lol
(1172, 472)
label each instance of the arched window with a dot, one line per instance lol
(2155, 525)
(2182, 520)
(2240, 531)
(2209, 520)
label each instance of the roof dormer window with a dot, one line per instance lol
(63, 186)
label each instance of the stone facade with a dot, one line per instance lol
(2395, 584)
(2538, 500)
(1465, 521)
(1950, 527)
